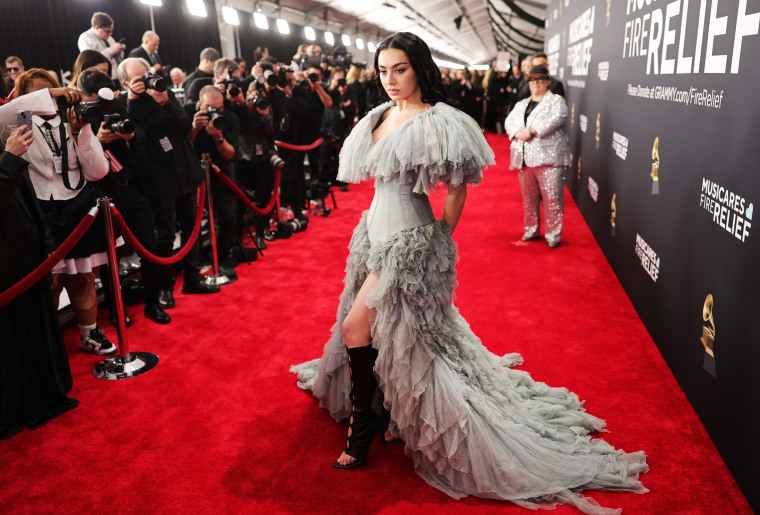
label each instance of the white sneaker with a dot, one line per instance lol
(97, 343)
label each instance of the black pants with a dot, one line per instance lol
(226, 212)
(137, 213)
(329, 165)
(293, 184)
(169, 211)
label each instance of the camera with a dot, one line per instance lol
(114, 123)
(216, 118)
(89, 111)
(275, 161)
(154, 81)
(313, 77)
(271, 78)
(341, 83)
(232, 83)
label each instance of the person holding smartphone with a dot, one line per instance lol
(63, 158)
(34, 369)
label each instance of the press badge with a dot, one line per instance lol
(259, 150)
(166, 144)
(58, 164)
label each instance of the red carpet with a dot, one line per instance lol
(220, 426)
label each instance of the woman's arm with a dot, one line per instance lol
(454, 204)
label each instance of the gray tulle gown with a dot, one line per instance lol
(472, 425)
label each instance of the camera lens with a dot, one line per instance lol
(313, 77)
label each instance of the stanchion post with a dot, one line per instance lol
(126, 364)
(215, 278)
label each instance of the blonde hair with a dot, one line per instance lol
(354, 74)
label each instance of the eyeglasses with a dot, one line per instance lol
(537, 79)
(107, 31)
(13, 68)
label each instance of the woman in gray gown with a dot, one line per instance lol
(471, 424)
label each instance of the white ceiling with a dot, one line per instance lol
(433, 21)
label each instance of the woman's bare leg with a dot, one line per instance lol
(356, 332)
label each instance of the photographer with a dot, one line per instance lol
(338, 121)
(308, 103)
(168, 170)
(226, 79)
(100, 38)
(205, 69)
(215, 132)
(64, 156)
(254, 170)
(122, 185)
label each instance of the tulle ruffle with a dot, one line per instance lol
(439, 145)
(471, 424)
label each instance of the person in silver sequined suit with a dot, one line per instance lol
(541, 154)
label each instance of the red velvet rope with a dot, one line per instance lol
(290, 146)
(242, 196)
(47, 265)
(132, 240)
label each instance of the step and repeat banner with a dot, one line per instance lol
(664, 123)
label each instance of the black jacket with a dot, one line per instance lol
(24, 239)
(204, 144)
(141, 52)
(167, 165)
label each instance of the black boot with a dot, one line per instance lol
(364, 424)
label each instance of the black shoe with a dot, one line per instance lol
(97, 343)
(196, 286)
(154, 312)
(364, 424)
(301, 217)
(261, 242)
(228, 272)
(166, 299)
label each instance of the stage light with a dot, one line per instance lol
(371, 46)
(260, 20)
(478, 67)
(329, 39)
(346, 40)
(197, 8)
(230, 16)
(447, 64)
(153, 3)
(359, 44)
(282, 26)
(310, 34)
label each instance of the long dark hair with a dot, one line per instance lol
(422, 63)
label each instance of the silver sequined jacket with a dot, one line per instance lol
(550, 146)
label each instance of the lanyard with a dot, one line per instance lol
(61, 151)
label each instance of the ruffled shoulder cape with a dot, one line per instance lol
(438, 145)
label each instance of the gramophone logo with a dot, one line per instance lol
(708, 335)
(579, 168)
(598, 128)
(572, 115)
(613, 214)
(609, 2)
(656, 167)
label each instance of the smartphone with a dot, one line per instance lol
(24, 118)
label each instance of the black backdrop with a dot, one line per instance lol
(44, 33)
(696, 131)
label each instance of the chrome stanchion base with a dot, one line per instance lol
(117, 367)
(217, 280)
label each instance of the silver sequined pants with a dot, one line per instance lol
(547, 183)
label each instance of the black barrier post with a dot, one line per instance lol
(126, 364)
(214, 278)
